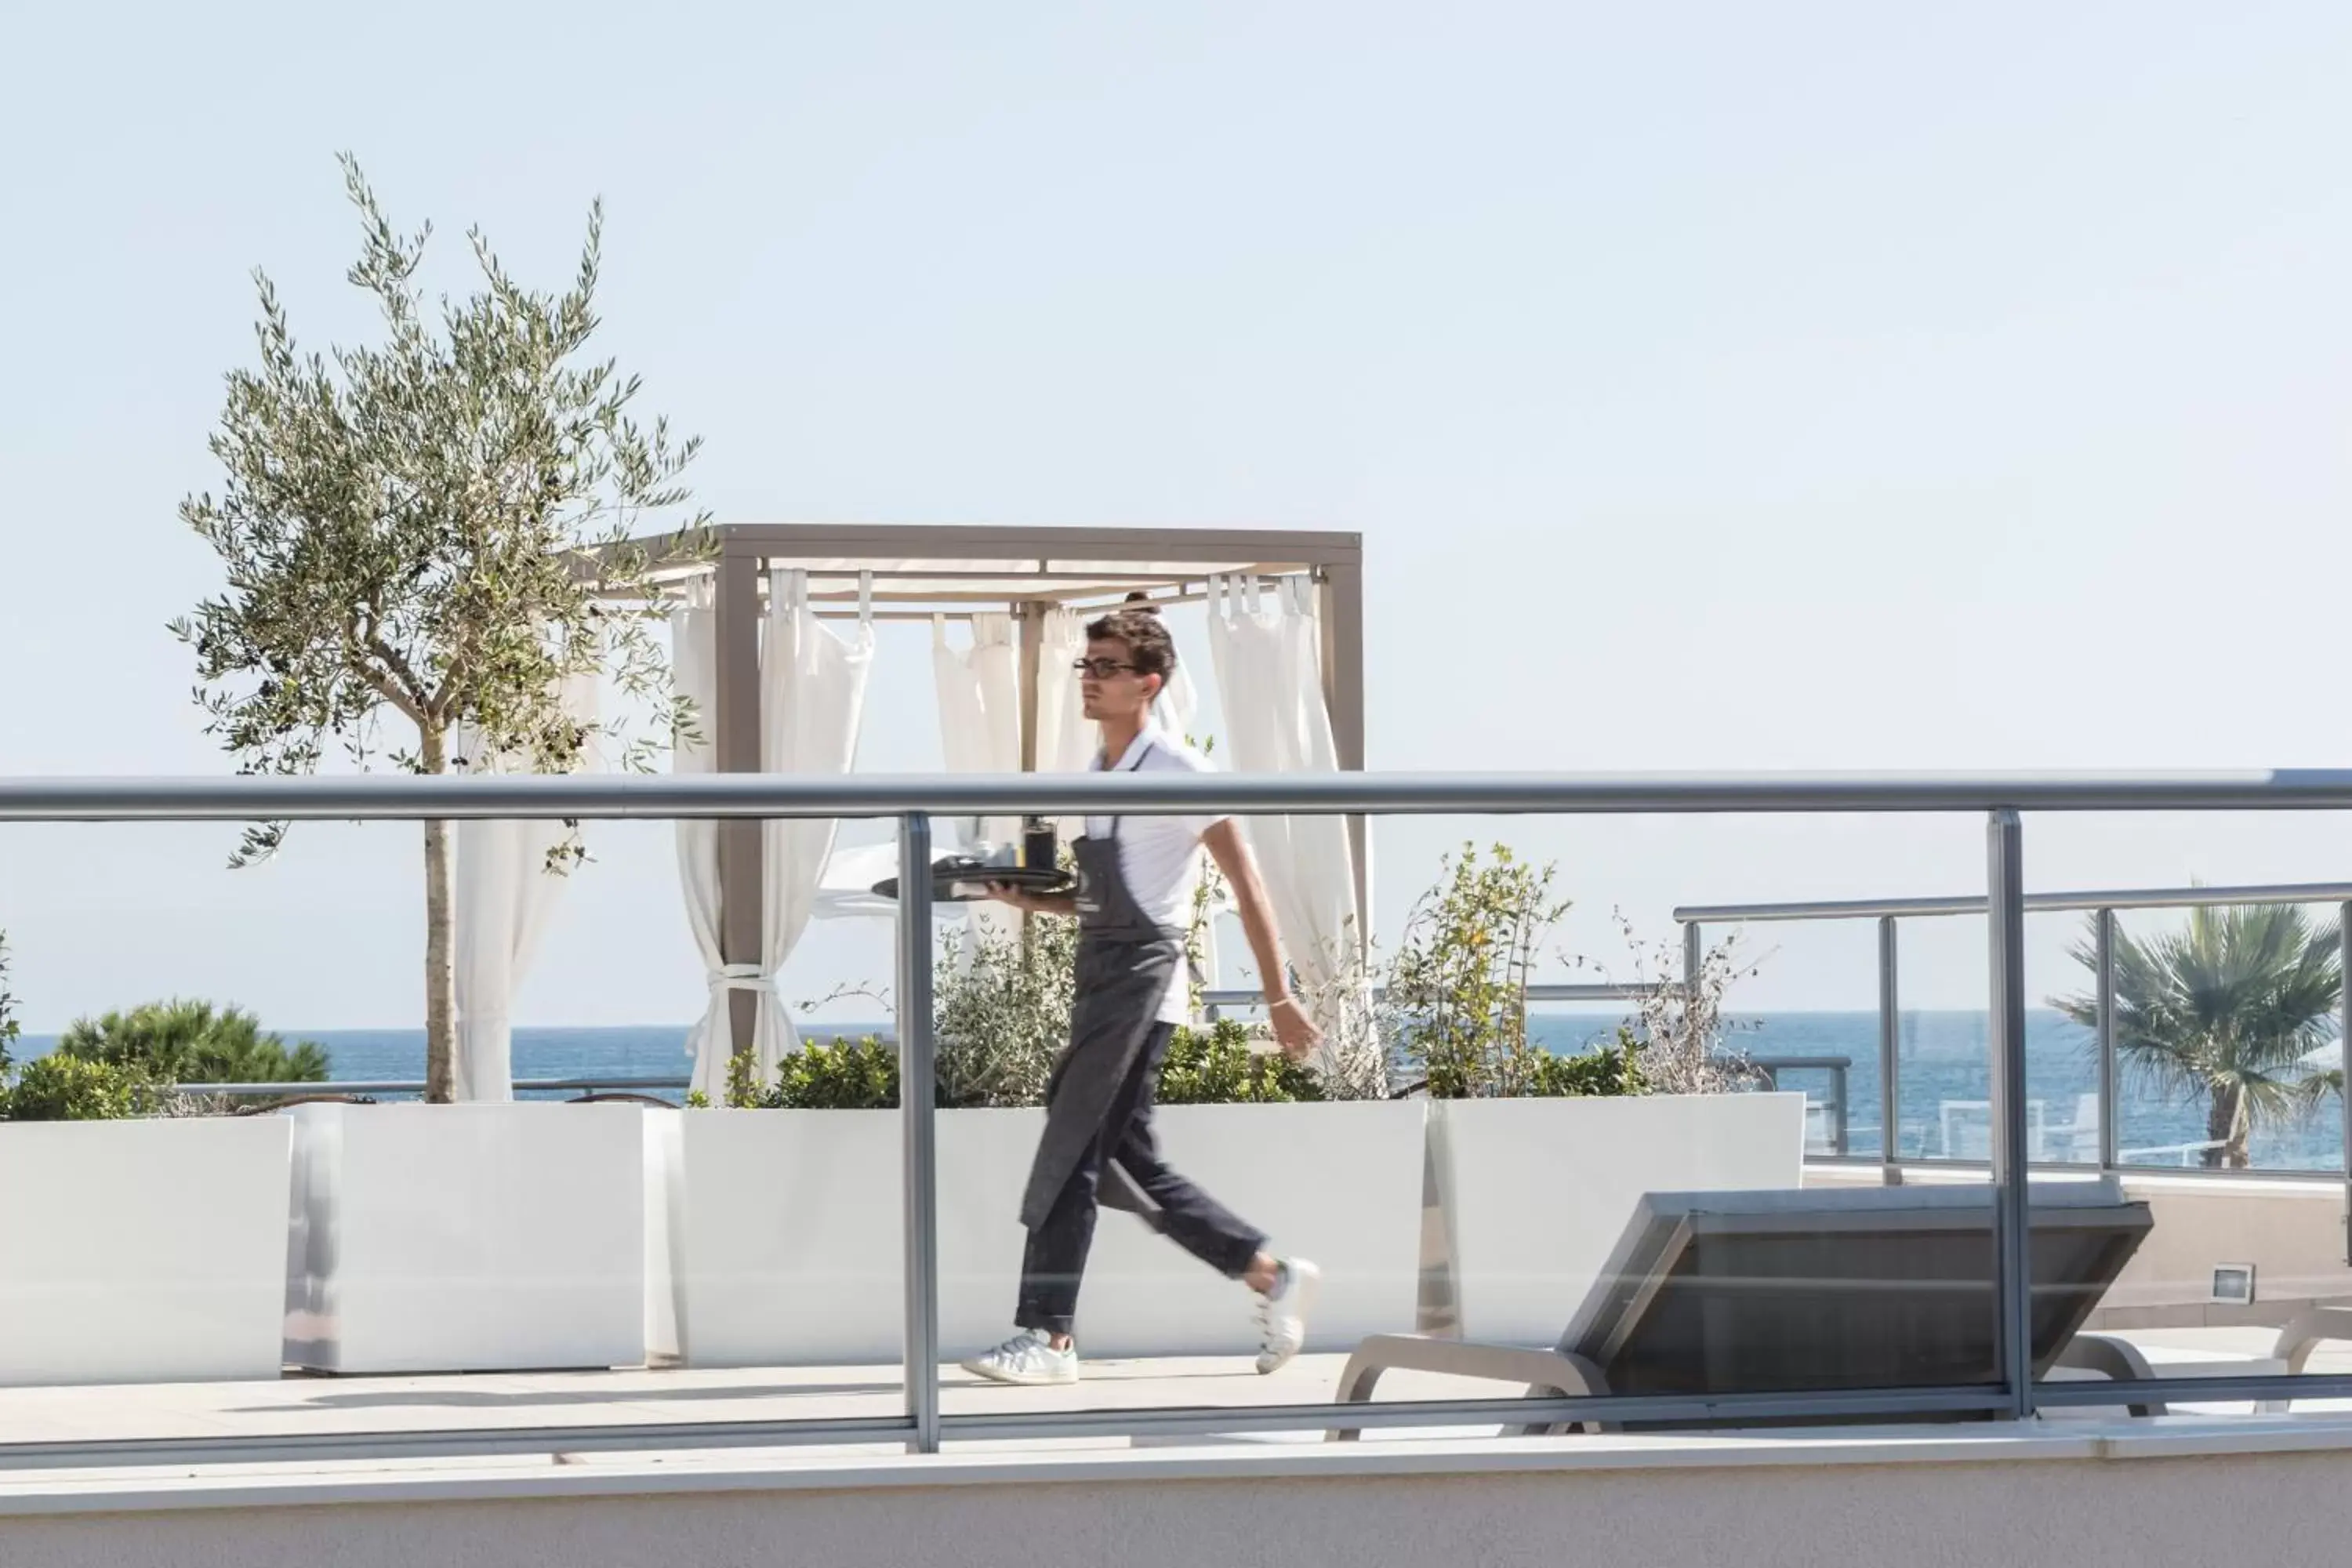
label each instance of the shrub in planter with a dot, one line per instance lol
(840, 1074)
(1217, 1066)
(1613, 1069)
(1204, 1066)
(59, 1088)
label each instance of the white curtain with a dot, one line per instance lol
(501, 897)
(1179, 707)
(694, 671)
(979, 726)
(811, 702)
(1267, 654)
(1066, 742)
(812, 707)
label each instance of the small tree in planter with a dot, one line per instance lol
(433, 529)
(1457, 990)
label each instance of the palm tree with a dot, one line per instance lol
(189, 1042)
(2227, 1010)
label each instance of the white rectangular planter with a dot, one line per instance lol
(787, 1246)
(467, 1237)
(149, 1251)
(1337, 1182)
(1534, 1193)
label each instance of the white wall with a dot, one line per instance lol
(2278, 1508)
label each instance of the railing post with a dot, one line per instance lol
(2109, 1133)
(1890, 1039)
(918, 1132)
(1692, 958)
(2344, 1081)
(2012, 1271)
(1841, 1135)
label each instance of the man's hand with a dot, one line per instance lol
(1029, 903)
(1293, 1030)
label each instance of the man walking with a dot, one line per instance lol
(1137, 881)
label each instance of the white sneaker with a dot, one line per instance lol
(1282, 1317)
(1029, 1359)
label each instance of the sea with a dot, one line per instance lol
(1942, 1076)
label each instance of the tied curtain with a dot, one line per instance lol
(501, 895)
(812, 707)
(1266, 649)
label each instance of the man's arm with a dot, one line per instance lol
(1292, 1027)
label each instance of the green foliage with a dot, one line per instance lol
(1001, 1013)
(1213, 1066)
(7, 1014)
(433, 528)
(845, 1075)
(2226, 1011)
(1613, 1069)
(1217, 1066)
(190, 1043)
(402, 525)
(59, 1088)
(1458, 985)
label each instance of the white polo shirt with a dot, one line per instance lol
(1160, 855)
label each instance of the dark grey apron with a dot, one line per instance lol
(1125, 967)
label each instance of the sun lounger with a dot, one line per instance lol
(1799, 1291)
(2115, 1356)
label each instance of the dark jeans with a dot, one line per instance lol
(1055, 1260)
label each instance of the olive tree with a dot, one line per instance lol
(431, 530)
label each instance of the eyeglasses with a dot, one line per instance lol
(1101, 668)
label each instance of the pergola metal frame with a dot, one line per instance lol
(914, 572)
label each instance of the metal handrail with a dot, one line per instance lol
(417, 1086)
(2103, 905)
(670, 796)
(1215, 1001)
(2035, 903)
(915, 800)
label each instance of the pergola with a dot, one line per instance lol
(925, 573)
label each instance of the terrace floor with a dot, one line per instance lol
(299, 1406)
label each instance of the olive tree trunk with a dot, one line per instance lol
(440, 963)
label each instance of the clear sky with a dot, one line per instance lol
(1716, 386)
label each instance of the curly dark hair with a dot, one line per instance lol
(1149, 647)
